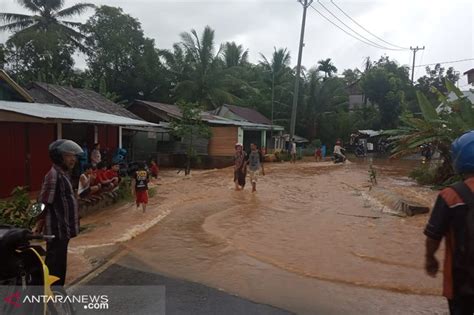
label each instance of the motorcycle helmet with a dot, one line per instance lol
(462, 153)
(58, 147)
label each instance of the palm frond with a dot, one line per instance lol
(15, 17)
(50, 5)
(74, 10)
(16, 26)
(30, 5)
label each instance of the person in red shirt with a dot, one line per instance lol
(102, 178)
(154, 169)
(112, 174)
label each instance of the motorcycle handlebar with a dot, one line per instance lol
(40, 237)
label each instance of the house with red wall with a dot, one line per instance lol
(28, 127)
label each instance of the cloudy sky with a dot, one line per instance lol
(445, 28)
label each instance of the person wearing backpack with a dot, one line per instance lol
(453, 218)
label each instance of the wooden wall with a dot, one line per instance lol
(223, 140)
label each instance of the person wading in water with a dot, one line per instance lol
(240, 169)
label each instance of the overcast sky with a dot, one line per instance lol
(445, 28)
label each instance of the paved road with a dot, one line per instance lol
(145, 294)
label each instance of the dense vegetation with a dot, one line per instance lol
(123, 64)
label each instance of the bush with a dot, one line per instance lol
(125, 189)
(14, 211)
(424, 174)
(152, 192)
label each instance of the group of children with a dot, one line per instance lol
(97, 180)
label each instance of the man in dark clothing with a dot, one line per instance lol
(61, 217)
(452, 218)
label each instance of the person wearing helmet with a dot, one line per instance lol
(61, 217)
(452, 218)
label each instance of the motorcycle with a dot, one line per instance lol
(26, 285)
(338, 158)
(359, 150)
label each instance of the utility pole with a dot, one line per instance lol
(273, 100)
(413, 66)
(306, 4)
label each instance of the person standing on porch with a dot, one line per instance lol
(96, 157)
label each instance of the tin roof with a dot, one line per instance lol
(76, 98)
(175, 112)
(60, 113)
(249, 114)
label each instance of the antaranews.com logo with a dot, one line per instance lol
(88, 302)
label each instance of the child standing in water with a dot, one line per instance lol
(140, 186)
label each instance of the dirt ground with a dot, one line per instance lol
(312, 235)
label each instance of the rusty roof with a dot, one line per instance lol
(249, 114)
(78, 98)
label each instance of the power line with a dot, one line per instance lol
(339, 8)
(443, 62)
(351, 35)
(342, 22)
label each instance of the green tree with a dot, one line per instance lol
(434, 81)
(277, 78)
(42, 44)
(327, 67)
(206, 83)
(120, 55)
(189, 128)
(234, 55)
(386, 85)
(326, 104)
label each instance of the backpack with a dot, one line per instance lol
(465, 250)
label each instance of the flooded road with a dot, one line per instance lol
(308, 241)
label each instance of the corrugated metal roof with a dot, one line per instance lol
(175, 111)
(249, 114)
(77, 98)
(75, 115)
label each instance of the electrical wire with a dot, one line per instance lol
(443, 62)
(365, 38)
(369, 42)
(358, 24)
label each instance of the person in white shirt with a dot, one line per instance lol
(338, 151)
(96, 157)
(293, 151)
(86, 182)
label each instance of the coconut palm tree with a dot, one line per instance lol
(207, 82)
(278, 76)
(327, 67)
(234, 55)
(48, 18)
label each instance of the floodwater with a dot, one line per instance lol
(309, 240)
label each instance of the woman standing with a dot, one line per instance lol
(240, 170)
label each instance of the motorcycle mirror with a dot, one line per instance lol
(36, 209)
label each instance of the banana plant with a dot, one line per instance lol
(438, 128)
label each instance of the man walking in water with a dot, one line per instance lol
(255, 164)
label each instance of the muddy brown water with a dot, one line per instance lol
(307, 241)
